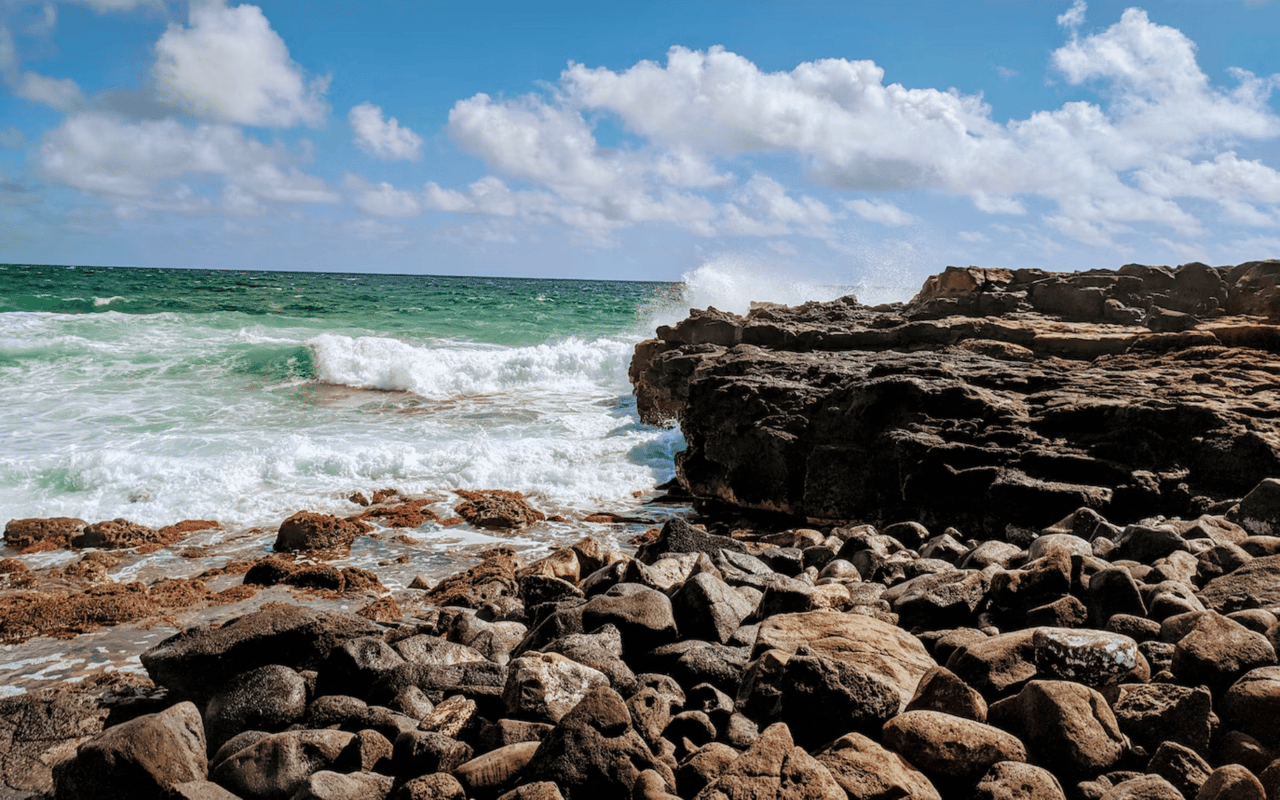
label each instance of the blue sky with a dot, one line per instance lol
(835, 140)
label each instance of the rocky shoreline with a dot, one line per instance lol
(1014, 539)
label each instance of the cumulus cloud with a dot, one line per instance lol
(140, 161)
(881, 211)
(383, 138)
(110, 6)
(62, 94)
(383, 199)
(228, 65)
(1162, 135)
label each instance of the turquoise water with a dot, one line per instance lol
(161, 395)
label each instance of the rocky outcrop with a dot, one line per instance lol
(993, 398)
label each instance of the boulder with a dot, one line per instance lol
(325, 785)
(495, 771)
(868, 771)
(996, 666)
(1094, 658)
(52, 531)
(866, 644)
(950, 749)
(1231, 782)
(543, 687)
(199, 661)
(1252, 705)
(709, 609)
(1067, 727)
(1152, 713)
(494, 508)
(268, 698)
(774, 769)
(1216, 651)
(419, 753)
(1144, 787)
(1259, 510)
(1255, 584)
(115, 534)
(593, 751)
(940, 689)
(309, 531)
(643, 616)
(142, 758)
(1181, 766)
(276, 766)
(1011, 780)
(678, 536)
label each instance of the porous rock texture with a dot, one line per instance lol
(994, 397)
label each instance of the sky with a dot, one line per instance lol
(838, 140)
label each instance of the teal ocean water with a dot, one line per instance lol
(160, 395)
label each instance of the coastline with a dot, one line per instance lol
(928, 567)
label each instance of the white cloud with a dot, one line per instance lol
(383, 199)
(1073, 17)
(228, 65)
(381, 138)
(973, 237)
(138, 160)
(109, 6)
(881, 211)
(62, 94)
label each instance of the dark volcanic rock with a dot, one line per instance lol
(994, 397)
(199, 661)
(308, 530)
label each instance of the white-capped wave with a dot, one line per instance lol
(106, 301)
(452, 369)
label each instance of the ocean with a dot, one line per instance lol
(158, 395)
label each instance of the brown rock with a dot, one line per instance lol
(996, 666)
(774, 769)
(1216, 651)
(1146, 787)
(437, 786)
(1181, 766)
(864, 643)
(868, 771)
(141, 758)
(309, 531)
(1011, 780)
(1067, 727)
(950, 748)
(1232, 782)
(494, 508)
(278, 765)
(1252, 705)
(57, 531)
(941, 690)
(114, 534)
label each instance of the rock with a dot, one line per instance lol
(494, 508)
(495, 770)
(54, 532)
(541, 790)
(866, 770)
(593, 751)
(653, 705)
(1216, 651)
(869, 645)
(325, 785)
(1181, 766)
(356, 664)
(427, 649)
(643, 616)
(678, 536)
(941, 690)
(703, 767)
(692, 662)
(1232, 782)
(1010, 780)
(1114, 592)
(1067, 727)
(490, 580)
(944, 599)
(437, 786)
(308, 531)
(835, 411)
(543, 687)
(115, 534)
(818, 697)
(276, 766)
(142, 758)
(709, 609)
(1252, 705)
(1255, 584)
(1259, 510)
(199, 661)
(950, 749)
(1146, 787)
(1093, 658)
(452, 717)
(996, 666)
(268, 698)
(419, 753)
(773, 769)
(601, 650)
(1158, 712)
